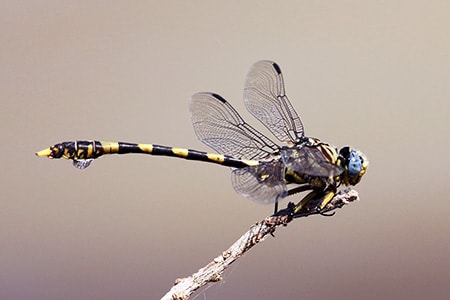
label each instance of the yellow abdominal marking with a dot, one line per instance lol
(216, 157)
(147, 148)
(110, 147)
(250, 163)
(45, 152)
(180, 152)
(90, 150)
(67, 154)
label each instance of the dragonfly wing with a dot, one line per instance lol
(265, 98)
(219, 126)
(263, 183)
(309, 161)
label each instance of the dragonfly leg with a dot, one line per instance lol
(326, 199)
(313, 194)
(319, 196)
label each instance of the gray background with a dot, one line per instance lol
(373, 74)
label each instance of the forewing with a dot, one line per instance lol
(263, 183)
(309, 161)
(218, 125)
(265, 98)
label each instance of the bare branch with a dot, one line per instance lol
(212, 272)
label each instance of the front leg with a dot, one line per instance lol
(320, 198)
(328, 196)
(309, 197)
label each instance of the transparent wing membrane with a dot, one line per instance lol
(218, 125)
(263, 183)
(265, 98)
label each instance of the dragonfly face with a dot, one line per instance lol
(262, 170)
(355, 164)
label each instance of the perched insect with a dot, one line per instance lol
(261, 170)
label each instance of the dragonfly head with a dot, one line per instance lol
(355, 164)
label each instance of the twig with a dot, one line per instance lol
(212, 272)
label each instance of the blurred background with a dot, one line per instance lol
(372, 74)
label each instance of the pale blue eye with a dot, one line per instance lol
(354, 164)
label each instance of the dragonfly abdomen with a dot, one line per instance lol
(86, 151)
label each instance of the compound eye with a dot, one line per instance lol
(345, 151)
(354, 163)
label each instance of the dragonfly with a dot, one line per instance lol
(261, 169)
